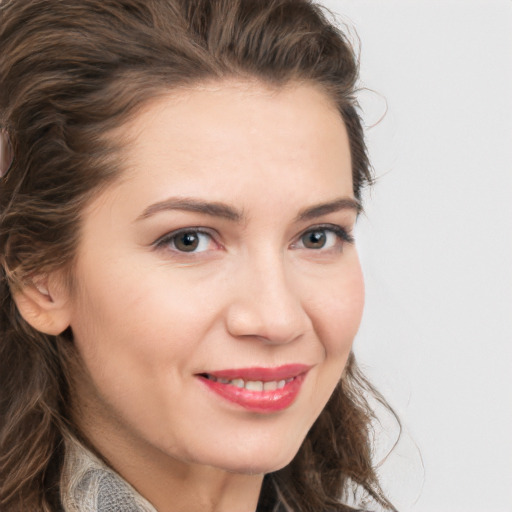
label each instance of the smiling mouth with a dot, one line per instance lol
(260, 390)
(251, 385)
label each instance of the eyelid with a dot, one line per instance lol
(165, 240)
(344, 234)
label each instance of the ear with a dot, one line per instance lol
(44, 303)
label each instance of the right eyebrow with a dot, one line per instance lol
(189, 204)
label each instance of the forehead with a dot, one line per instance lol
(225, 138)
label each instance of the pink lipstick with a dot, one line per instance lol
(258, 389)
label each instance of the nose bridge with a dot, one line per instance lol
(266, 304)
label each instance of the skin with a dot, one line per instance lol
(148, 318)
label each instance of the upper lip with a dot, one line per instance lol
(287, 371)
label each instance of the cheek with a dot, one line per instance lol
(138, 329)
(339, 311)
(132, 306)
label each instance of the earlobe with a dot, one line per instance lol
(44, 304)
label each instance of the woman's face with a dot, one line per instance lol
(219, 290)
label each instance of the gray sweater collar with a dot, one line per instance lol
(89, 485)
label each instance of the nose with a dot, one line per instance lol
(266, 304)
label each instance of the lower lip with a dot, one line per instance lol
(258, 401)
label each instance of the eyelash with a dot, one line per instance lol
(169, 239)
(343, 235)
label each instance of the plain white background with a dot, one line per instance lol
(436, 245)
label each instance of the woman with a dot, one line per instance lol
(180, 285)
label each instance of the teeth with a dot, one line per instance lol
(252, 385)
(239, 383)
(270, 386)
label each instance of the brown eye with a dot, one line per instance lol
(190, 241)
(314, 239)
(187, 242)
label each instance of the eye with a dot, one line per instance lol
(324, 237)
(187, 240)
(317, 239)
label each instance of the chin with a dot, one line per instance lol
(263, 467)
(256, 461)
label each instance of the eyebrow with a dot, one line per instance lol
(189, 204)
(343, 203)
(222, 210)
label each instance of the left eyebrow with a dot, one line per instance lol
(343, 203)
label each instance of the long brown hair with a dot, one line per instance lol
(71, 71)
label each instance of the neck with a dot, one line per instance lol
(170, 485)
